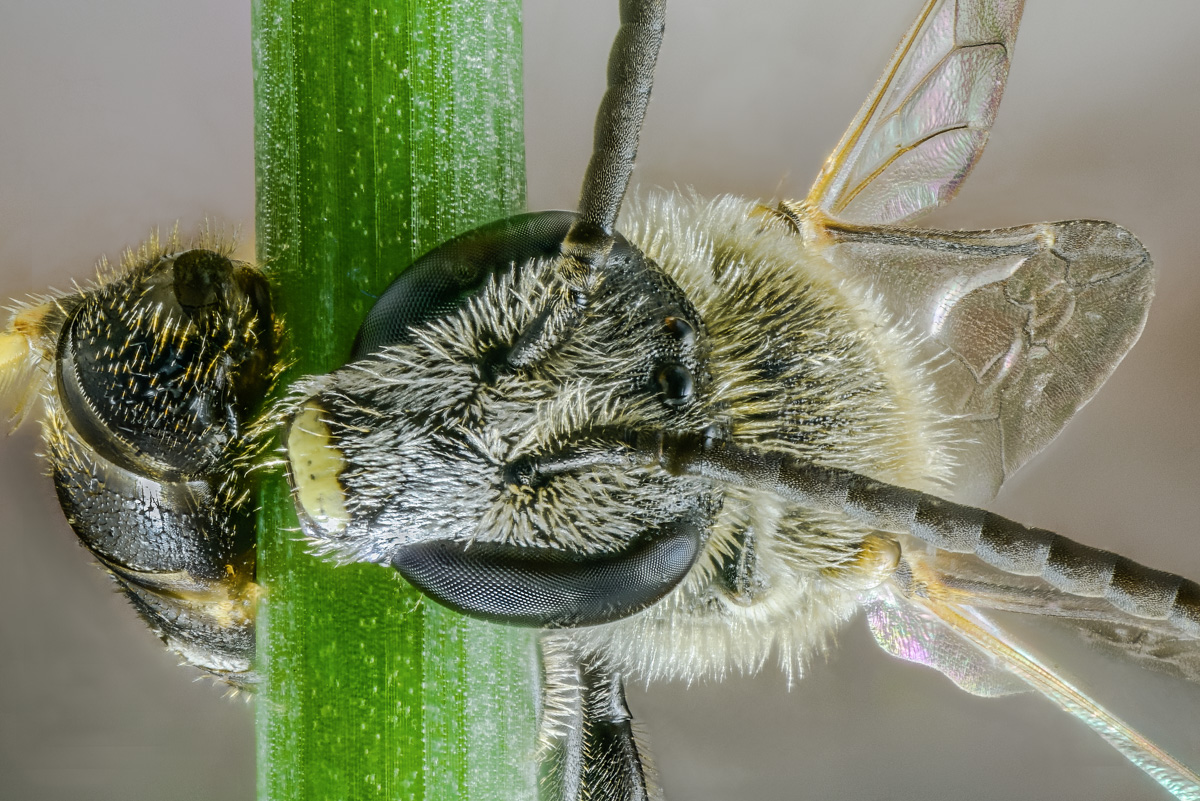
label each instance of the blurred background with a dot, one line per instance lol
(115, 118)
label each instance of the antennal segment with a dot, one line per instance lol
(619, 119)
(1014, 548)
(586, 247)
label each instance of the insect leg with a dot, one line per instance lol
(586, 247)
(589, 749)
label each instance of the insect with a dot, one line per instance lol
(84, 681)
(658, 740)
(658, 448)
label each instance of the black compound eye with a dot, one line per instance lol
(444, 278)
(676, 384)
(547, 587)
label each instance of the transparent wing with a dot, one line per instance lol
(941, 620)
(904, 629)
(925, 124)
(1019, 326)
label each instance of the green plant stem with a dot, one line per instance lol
(382, 129)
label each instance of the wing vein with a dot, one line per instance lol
(853, 135)
(1180, 780)
(900, 151)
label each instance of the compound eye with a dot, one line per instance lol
(445, 278)
(547, 587)
(157, 369)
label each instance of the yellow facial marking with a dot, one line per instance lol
(315, 463)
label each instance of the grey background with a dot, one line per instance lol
(118, 117)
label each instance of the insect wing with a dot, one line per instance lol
(978, 651)
(1019, 327)
(925, 124)
(905, 629)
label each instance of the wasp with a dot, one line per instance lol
(671, 388)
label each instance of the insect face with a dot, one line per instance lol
(433, 410)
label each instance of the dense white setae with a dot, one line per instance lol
(1098, 116)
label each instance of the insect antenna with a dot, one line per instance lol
(1014, 548)
(585, 249)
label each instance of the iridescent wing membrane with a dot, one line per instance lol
(925, 124)
(1019, 328)
(1024, 324)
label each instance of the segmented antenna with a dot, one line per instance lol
(618, 126)
(1010, 546)
(1016, 549)
(619, 119)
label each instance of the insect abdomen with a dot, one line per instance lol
(150, 378)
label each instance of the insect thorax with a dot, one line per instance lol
(800, 361)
